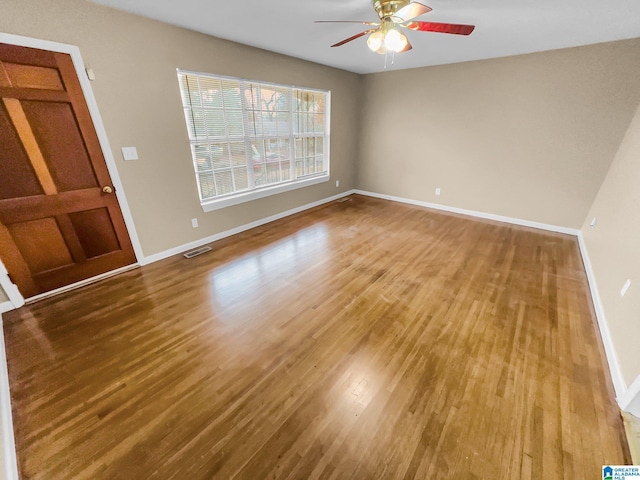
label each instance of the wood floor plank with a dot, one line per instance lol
(361, 339)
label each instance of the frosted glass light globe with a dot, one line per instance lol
(376, 41)
(395, 41)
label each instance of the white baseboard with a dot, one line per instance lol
(619, 384)
(219, 236)
(473, 213)
(6, 306)
(626, 397)
(8, 440)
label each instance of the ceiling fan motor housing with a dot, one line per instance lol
(387, 8)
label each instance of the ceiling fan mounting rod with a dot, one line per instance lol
(387, 8)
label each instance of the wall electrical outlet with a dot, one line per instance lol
(194, 222)
(337, 183)
(437, 191)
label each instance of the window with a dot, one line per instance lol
(253, 139)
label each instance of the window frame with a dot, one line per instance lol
(261, 191)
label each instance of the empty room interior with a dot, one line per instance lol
(414, 261)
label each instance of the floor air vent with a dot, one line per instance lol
(196, 252)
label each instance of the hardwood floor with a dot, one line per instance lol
(359, 340)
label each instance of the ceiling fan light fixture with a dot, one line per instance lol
(395, 15)
(395, 41)
(376, 41)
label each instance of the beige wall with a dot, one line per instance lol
(614, 249)
(529, 137)
(3, 296)
(135, 61)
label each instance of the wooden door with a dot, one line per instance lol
(60, 221)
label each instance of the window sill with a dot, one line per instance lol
(216, 204)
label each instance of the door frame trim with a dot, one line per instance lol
(15, 297)
(87, 91)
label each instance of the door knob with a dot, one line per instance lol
(107, 189)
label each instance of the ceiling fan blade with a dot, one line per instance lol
(358, 35)
(361, 22)
(454, 28)
(413, 10)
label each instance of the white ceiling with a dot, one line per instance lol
(502, 27)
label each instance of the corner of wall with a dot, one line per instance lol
(361, 129)
(619, 384)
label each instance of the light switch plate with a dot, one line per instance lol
(130, 153)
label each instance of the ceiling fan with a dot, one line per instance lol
(395, 15)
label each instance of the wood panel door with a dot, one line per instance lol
(60, 221)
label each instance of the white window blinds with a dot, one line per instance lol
(248, 135)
